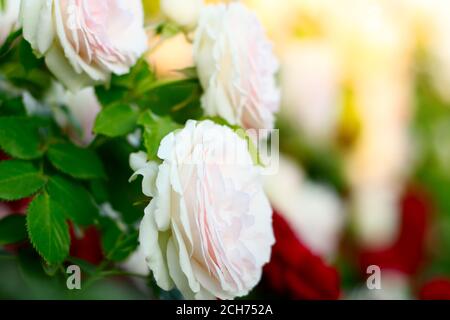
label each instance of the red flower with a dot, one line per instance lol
(294, 271)
(407, 253)
(436, 289)
(4, 156)
(86, 246)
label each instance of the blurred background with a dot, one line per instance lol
(364, 177)
(364, 126)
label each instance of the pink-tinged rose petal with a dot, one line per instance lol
(207, 229)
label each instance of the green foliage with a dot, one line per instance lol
(168, 29)
(129, 88)
(73, 199)
(12, 106)
(155, 129)
(75, 161)
(431, 132)
(27, 59)
(9, 43)
(117, 244)
(20, 137)
(19, 179)
(21, 68)
(122, 195)
(116, 120)
(179, 99)
(69, 183)
(324, 165)
(48, 229)
(12, 229)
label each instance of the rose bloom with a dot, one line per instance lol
(295, 272)
(407, 254)
(9, 16)
(208, 228)
(85, 244)
(183, 12)
(311, 89)
(436, 289)
(236, 66)
(85, 41)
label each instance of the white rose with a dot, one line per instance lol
(183, 12)
(236, 66)
(311, 89)
(85, 41)
(376, 214)
(208, 228)
(9, 16)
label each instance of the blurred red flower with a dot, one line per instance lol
(406, 254)
(294, 271)
(86, 244)
(4, 156)
(435, 289)
(10, 207)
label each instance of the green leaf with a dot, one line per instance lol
(76, 162)
(107, 96)
(189, 72)
(168, 29)
(155, 129)
(129, 87)
(137, 80)
(99, 190)
(36, 81)
(116, 120)
(27, 58)
(117, 244)
(122, 195)
(9, 42)
(85, 266)
(12, 107)
(74, 200)
(12, 229)
(177, 98)
(19, 179)
(48, 230)
(20, 138)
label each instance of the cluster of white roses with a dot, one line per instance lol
(208, 228)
